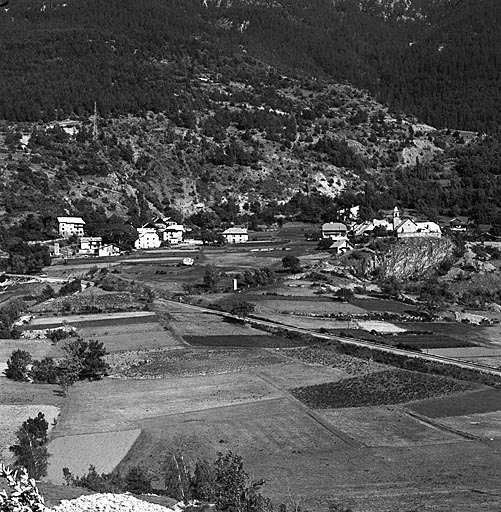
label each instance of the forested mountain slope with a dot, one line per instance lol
(437, 59)
(238, 111)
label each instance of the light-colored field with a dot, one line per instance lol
(11, 419)
(386, 426)
(379, 326)
(486, 425)
(188, 323)
(242, 259)
(131, 336)
(104, 451)
(71, 319)
(269, 305)
(113, 404)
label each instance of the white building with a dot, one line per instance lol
(410, 229)
(148, 237)
(69, 226)
(89, 244)
(334, 230)
(108, 250)
(236, 235)
(173, 234)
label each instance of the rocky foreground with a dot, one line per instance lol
(109, 503)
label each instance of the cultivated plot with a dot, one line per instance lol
(116, 404)
(485, 425)
(386, 426)
(191, 362)
(475, 402)
(77, 453)
(131, 336)
(258, 430)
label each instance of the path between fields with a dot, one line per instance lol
(350, 441)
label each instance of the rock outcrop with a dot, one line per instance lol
(414, 258)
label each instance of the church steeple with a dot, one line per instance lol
(396, 217)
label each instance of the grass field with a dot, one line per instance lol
(381, 388)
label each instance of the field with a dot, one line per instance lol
(250, 341)
(77, 453)
(476, 402)
(381, 388)
(187, 381)
(387, 426)
(194, 362)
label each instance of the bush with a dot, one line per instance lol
(70, 287)
(56, 335)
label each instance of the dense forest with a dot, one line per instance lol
(58, 58)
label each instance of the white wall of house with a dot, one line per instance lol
(148, 239)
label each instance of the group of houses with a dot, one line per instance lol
(151, 235)
(394, 224)
(87, 245)
(159, 231)
(162, 231)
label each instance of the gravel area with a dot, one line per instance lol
(108, 503)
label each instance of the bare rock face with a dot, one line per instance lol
(414, 258)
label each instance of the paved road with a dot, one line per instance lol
(349, 341)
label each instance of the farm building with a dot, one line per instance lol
(89, 244)
(173, 234)
(334, 230)
(341, 246)
(236, 235)
(69, 226)
(108, 250)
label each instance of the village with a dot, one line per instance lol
(166, 232)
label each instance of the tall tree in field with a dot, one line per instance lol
(30, 450)
(17, 365)
(211, 277)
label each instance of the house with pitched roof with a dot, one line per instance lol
(148, 237)
(236, 235)
(69, 226)
(334, 230)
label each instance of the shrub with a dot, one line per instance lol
(56, 335)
